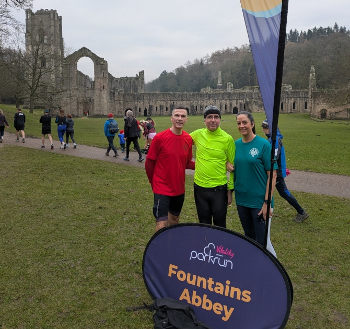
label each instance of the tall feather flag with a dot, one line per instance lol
(266, 22)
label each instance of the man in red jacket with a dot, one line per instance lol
(167, 159)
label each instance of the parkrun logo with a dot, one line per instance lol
(214, 255)
(254, 151)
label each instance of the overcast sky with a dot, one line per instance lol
(158, 35)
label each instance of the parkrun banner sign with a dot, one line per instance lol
(229, 280)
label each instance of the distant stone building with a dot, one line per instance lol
(70, 89)
(77, 93)
(328, 104)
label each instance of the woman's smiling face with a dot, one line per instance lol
(245, 126)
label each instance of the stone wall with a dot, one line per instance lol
(78, 93)
(331, 104)
(161, 104)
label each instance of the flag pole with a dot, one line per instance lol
(276, 104)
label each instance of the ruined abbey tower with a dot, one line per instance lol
(67, 88)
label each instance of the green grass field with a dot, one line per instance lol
(73, 232)
(319, 146)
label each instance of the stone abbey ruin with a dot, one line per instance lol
(77, 94)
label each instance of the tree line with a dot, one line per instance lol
(328, 49)
(29, 71)
(26, 72)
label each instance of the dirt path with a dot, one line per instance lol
(311, 182)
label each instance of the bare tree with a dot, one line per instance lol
(12, 71)
(34, 69)
(18, 4)
(7, 20)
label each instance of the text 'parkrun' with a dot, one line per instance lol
(211, 285)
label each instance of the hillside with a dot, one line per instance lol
(328, 49)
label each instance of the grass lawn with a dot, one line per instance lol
(319, 146)
(73, 233)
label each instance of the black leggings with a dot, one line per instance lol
(136, 146)
(211, 203)
(71, 135)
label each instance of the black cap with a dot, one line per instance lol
(211, 110)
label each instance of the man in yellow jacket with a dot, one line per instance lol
(212, 190)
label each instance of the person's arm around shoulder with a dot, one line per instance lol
(193, 135)
(190, 163)
(231, 149)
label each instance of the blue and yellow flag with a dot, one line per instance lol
(263, 22)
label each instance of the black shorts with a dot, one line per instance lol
(164, 204)
(46, 130)
(18, 128)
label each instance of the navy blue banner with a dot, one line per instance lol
(228, 279)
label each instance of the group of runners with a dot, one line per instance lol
(65, 126)
(222, 167)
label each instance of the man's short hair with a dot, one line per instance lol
(129, 113)
(180, 107)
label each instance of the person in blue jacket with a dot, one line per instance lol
(121, 140)
(110, 136)
(281, 186)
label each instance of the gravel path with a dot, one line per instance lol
(304, 181)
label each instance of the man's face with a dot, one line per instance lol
(212, 121)
(179, 118)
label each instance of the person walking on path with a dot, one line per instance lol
(45, 121)
(214, 148)
(110, 135)
(281, 186)
(131, 134)
(150, 131)
(3, 122)
(70, 130)
(61, 121)
(168, 158)
(19, 122)
(121, 141)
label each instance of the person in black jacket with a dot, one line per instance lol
(131, 134)
(70, 130)
(45, 121)
(3, 122)
(19, 122)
